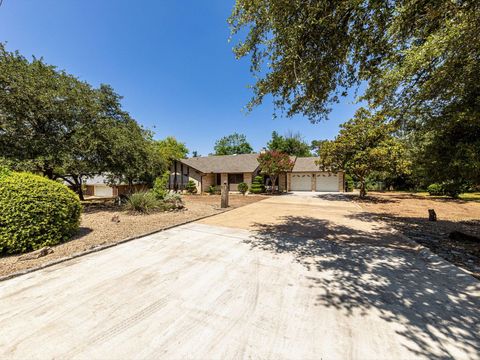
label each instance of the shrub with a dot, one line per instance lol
(242, 187)
(453, 189)
(257, 185)
(191, 187)
(35, 212)
(212, 190)
(142, 202)
(160, 186)
(4, 171)
(435, 189)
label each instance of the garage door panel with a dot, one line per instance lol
(104, 191)
(326, 182)
(301, 182)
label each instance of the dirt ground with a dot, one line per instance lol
(408, 213)
(97, 227)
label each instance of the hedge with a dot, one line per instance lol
(35, 212)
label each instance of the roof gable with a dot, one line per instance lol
(306, 164)
(242, 163)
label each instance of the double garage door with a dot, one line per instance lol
(323, 181)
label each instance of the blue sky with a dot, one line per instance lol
(171, 61)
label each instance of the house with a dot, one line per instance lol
(214, 170)
(98, 186)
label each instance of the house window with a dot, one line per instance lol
(235, 178)
(218, 179)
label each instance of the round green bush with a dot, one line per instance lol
(35, 212)
(242, 188)
(435, 189)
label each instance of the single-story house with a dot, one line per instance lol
(214, 170)
(98, 186)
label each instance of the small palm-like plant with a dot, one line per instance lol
(142, 202)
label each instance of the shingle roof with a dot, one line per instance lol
(306, 164)
(223, 163)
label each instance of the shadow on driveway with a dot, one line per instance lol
(436, 304)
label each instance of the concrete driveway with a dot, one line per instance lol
(306, 276)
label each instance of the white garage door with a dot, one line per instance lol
(103, 190)
(327, 182)
(301, 182)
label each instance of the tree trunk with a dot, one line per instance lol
(48, 172)
(273, 179)
(363, 189)
(79, 189)
(224, 196)
(130, 186)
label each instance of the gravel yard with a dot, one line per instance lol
(408, 213)
(97, 227)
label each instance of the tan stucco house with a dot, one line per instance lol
(214, 170)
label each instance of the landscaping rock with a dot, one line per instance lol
(36, 254)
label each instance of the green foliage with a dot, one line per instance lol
(232, 144)
(55, 124)
(160, 186)
(447, 152)
(147, 202)
(291, 144)
(242, 188)
(435, 189)
(316, 146)
(305, 54)
(257, 186)
(419, 60)
(171, 149)
(366, 144)
(35, 212)
(273, 163)
(133, 155)
(191, 187)
(143, 202)
(349, 184)
(450, 188)
(4, 171)
(212, 190)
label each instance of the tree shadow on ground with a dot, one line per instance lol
(435, 236)
(82, 231)
(397, 196)
(435, 304)
(355, 197)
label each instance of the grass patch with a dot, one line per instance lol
(475, 196)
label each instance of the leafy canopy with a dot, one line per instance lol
(273, 163)
(171, 149)
(232, 144)
(291, 144)
(55, 124)
(418, 61)
(364, 145)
